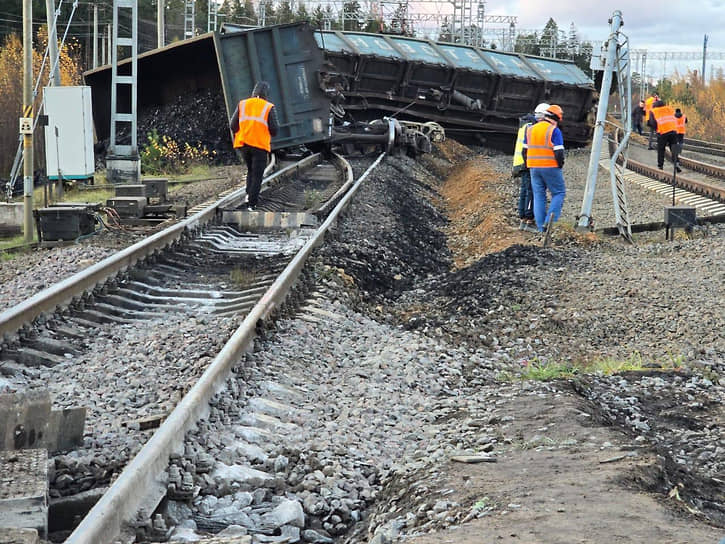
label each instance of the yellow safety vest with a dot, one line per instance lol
(518, 155)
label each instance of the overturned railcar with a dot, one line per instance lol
(468, 90)
(314, 74)
(226, 66)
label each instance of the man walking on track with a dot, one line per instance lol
(662, 118)
(544, 155)
(253, 124)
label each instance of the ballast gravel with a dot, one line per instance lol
(340, 411)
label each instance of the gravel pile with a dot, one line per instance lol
(173, 121)
(351, 418)
(368, 410)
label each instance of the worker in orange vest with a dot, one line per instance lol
(662, 118)
(681, 121)
(543, 151)
(647, 110)
(253, 124)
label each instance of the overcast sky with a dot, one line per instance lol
(656, 26)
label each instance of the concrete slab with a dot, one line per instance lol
(23, 419)
(11, 218)
(259, 220)
(27, 421)
(24, 490)
(19, 536)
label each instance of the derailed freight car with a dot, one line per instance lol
(313, 73)
(468, 90)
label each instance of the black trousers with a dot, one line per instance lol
(667, 139)
(256, 160)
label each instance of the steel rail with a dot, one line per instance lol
(703, 188)
(705, 144)
(57, 295)
(699, 187)
(704, 150)
(702, 167)
(120, 503)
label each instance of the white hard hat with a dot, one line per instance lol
(540, 110)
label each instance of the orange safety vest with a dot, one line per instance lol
(540, 148)
(666, 120)
(680, 122)
(253, 126)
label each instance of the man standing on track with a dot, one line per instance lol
(648, 105)
(680, 121)
(544, 155)
(253, 124)
(663, 120)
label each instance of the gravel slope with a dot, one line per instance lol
(425, 364)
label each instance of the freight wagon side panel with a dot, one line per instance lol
(288, 58)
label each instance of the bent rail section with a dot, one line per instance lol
(141, 476)
(80, 283)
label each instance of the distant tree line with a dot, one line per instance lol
(553, 42)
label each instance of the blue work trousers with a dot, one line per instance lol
(526, 197)
(553, 180)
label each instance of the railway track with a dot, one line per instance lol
(701, 185)
(701, 146)
(204, 274)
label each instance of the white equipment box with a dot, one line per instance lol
(69, 134)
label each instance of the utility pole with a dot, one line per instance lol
(52, 43)
(95, 35)
(26, 121)
(160, 23)
(704, 56)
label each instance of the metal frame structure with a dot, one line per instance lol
(189, 16)
(617, 62)
(128, 80)
(211, 24)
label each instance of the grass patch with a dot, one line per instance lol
(609, 365)
(551, 370)
(313, 198)
(75, 194)
(12, 243)
(241, 278)
(197, 172)
(546, 371)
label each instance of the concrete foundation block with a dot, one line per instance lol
(24, 490)
(123, 169)
(27, 421)
(19, 536)
(11, 218)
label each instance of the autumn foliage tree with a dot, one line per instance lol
(704, 105)
(11, 89)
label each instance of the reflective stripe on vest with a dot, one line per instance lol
(680, 122)
(518, 157)
(540, 149)
(665, 117)
(253, 125)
